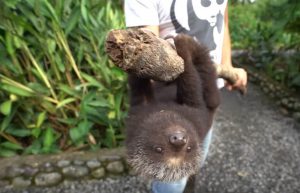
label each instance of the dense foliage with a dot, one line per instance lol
(270, 30)
(58, 91)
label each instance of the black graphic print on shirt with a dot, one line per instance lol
(206, 25)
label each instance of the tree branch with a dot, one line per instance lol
(140, 52)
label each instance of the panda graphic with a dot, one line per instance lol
(204, 20)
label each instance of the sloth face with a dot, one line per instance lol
(169, 151)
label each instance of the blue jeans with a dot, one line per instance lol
(178, 186)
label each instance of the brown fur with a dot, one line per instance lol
(157, 111)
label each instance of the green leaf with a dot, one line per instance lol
(296, 81)
(40, 119)
(51, 11)
(118, 73)
(36, 132)
(51, 45)
(110, 138)
(60, 64)
(92, 80)
(84, 11)
(18, 132)
(11, 3)
(9, 44)
(73, 20)
(35, 148)
(11, 146)
(99, 103)
(111, 100)
(68, 121)
(6, 152)
(79, 133)
(16, 90)
(58, 8)
(50, 107)
(7, 120)
(68, 90)
(100, 16)
(111, 114)
(118, 102)
(5, 108)
(48, 138)
(64, 102)
(93, 21)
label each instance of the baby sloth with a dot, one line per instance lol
(168, 122)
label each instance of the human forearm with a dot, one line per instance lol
(226, 58)
(226, 48)
(153, 28)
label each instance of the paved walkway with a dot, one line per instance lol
(255, 150)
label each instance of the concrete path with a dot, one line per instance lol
(255, 150)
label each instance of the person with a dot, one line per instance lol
(207, 22)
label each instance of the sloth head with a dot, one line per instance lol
(166, 147)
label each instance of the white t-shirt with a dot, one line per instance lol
(202, 19)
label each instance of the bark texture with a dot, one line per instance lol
(140, 52)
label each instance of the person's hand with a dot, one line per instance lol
(241, 80)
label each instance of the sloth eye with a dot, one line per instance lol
(189, 149)
(158, 149)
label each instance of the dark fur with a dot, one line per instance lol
(160, 109)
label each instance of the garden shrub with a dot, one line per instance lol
(58, 90)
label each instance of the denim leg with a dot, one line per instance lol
(178, 186)
(206, 144)
(169, 187)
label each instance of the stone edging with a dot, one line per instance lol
(49, 170)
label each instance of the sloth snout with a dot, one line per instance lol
(178, 139)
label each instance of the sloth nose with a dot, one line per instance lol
(178, 139)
